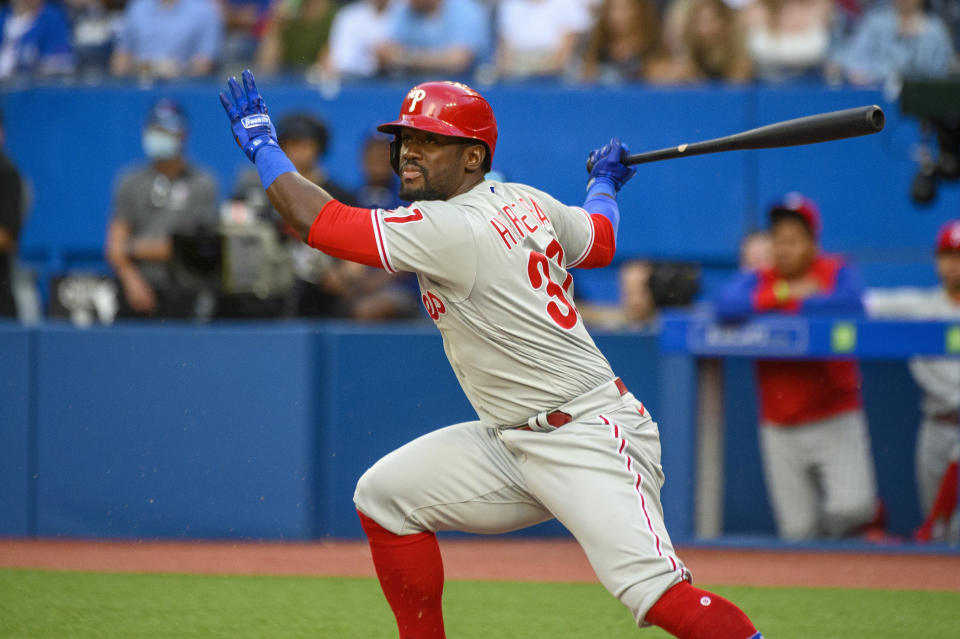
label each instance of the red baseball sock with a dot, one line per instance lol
(411, 574)
(690, 613)
(933, 529)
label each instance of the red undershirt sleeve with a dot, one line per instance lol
(604, 243)
(346, 232)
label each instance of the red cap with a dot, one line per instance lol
(447, 108)
(948, 239)
(801, 205)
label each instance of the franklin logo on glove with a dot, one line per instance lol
(260, 119)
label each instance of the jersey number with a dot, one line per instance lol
(560, 308)
(416, 216)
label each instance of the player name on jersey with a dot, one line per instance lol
(518, 216)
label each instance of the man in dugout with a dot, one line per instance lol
(814, 440)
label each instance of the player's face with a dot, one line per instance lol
(431, 165)
(793, 248)
(948, 268)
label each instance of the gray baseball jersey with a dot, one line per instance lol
(492, 265)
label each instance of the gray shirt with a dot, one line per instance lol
(156, 207)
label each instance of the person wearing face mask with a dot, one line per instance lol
(151, 203)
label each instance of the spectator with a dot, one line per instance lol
(847, 15)
(318, 289)
(644, 288)
(95, 27)
(359, 29)
(380, 185)
(168, 39)
(625, 35)
(538, 37)
(152, 203)
(436, 36)
(635, 307)
(714, 43)
(949, 12)
(756, 251)
(370, 294)
(813, 432)
(938, 377)
(636, 299)
(34, 40)
(305, 139)
(243, 22)
(11, 217)
(361, 292)
(893, 41)
(788, 38)
(296, 35)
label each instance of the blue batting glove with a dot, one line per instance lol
(251, 126)
(606, 164)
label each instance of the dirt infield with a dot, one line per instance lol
(514, 560)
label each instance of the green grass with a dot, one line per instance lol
(53, 605)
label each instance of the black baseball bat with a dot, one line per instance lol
(811, 129)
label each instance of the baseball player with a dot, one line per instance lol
(938, 439)
(813, 434)
(557, 434)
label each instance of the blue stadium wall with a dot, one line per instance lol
(260, 431)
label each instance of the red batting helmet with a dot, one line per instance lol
(948, 239)
(446, 108)
(799, 205)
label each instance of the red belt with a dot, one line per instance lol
(558, 418)
(951, 418)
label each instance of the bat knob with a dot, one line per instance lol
(589, 164)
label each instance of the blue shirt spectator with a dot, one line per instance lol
(34, 39)
(168, 38)
(949, 12)
(894, 41)
(244, 21)
(436, 36)
(95, 25)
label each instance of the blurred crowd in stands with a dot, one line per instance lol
(861, 42)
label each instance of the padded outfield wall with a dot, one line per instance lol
(261, 430)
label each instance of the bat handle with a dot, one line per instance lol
(590, 163)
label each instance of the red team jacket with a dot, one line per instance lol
(795, 392)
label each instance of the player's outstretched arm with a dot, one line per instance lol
(296, 199)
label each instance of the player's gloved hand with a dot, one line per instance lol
(606, 164)
(247, 111)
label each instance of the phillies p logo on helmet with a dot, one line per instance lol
(417, 95)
